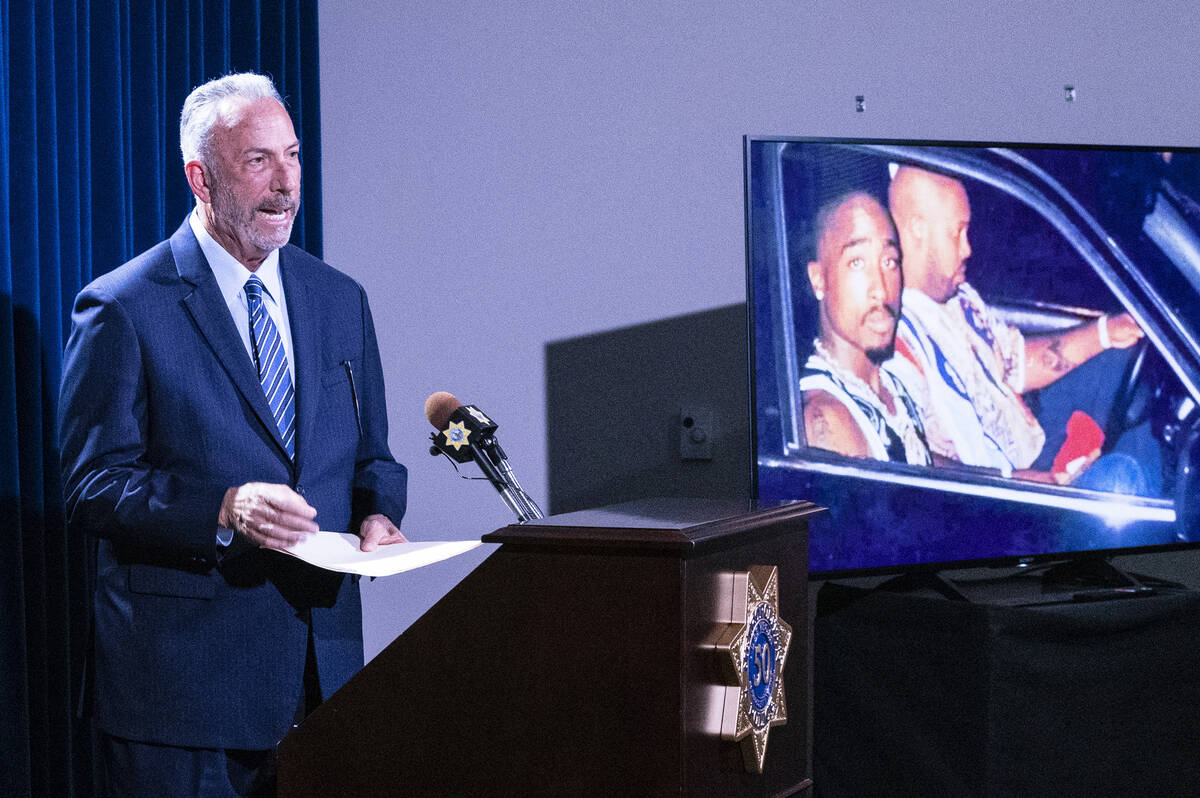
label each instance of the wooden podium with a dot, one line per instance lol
(577, 660)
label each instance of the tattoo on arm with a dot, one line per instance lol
(828, 425)
(818, 430)
(1054, 359)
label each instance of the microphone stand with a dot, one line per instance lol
(494, 464)
(529, 508)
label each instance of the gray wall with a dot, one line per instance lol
(501, 175)
(623, 408)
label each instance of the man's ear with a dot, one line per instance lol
(816, 279)
(918, 228)
(199, 180)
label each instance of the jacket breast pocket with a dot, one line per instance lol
(158, 581)
(339, 397)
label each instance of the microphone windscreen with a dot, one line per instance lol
(438, 408)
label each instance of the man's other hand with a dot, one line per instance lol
(1123, 331)
(378, 530)
(273, 516)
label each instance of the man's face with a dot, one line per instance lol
(857, 274)
(947, 216)
(255, 179)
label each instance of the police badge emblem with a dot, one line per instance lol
(753, 649)
(456, 435)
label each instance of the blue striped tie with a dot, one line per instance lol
(271, 361)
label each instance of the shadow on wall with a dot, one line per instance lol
(617, 403)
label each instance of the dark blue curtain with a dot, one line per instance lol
(90, 175)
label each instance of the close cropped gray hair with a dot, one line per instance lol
(202, 109)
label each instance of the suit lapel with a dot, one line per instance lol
(302, 303)
(208, 310)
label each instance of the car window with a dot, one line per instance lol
(1024, 268)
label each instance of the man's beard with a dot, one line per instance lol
(947, 287)
(239, 219)
(879, 355)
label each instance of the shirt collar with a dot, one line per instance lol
(231, 274)
(920, 302)
(917, 302)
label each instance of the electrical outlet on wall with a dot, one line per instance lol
(695, 433)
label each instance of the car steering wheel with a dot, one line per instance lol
(1186, 505)
(1124, 413)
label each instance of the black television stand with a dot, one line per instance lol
(1097, 579)
(917, 581)
(1078, 580)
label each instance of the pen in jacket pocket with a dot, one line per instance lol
(353, 395)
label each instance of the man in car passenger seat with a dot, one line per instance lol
(965, 367)
(851, 405)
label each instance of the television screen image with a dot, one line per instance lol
(975, 353)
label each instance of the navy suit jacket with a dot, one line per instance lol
(161, 411)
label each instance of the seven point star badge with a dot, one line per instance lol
(456, 434)
(753, 648)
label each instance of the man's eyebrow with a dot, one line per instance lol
(295, 145)
(854, 242)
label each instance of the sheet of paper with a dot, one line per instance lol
(338, 551)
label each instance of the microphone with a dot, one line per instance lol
(466, 433)
(461, 427)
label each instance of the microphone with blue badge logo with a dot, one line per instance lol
(466, 433)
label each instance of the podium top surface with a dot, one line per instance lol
(667, 524)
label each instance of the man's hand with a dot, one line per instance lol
(1049, 356)
(1076, 467)
(378, 530)
(273, 516)
(1123, 331)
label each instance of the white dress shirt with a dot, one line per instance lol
(231, 277)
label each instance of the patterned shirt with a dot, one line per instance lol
(965, 368)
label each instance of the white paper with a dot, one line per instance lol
(338, 551)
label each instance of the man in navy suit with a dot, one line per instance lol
(222, 398)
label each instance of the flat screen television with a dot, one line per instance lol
(1025, 245)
